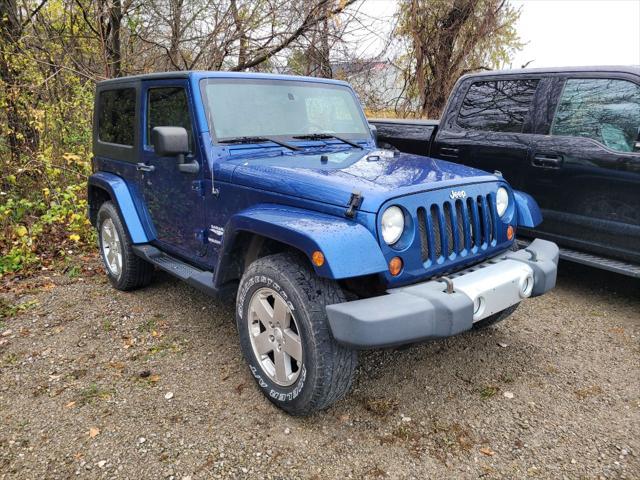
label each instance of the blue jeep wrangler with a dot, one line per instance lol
(271, 188)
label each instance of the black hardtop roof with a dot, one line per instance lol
(146, 76)
(199, 74)
(633, 69)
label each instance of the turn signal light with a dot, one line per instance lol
(395, 266)
(510, 232)
(317, 258)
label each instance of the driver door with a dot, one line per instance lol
(174, 205)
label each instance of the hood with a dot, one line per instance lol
(378, 175)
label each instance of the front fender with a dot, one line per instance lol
(117, 189)
(528, 211)
(349, 249)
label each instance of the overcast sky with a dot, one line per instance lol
(563, 32)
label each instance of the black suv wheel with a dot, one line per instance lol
(125, 270)
(285, 336)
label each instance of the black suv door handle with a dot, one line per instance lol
(547, 161)
(449, 152)
(143, 167)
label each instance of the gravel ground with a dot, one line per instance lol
(96, 383)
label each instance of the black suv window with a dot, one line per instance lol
(168, 107)
(497, 105)
(605, 110)
(116, 114)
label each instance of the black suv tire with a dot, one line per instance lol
(326, 371)
(133, 272)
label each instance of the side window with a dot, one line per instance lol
(497, 105)
(605, 110)
(116, 115)
(168, 107)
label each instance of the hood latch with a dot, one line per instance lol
(354, 204)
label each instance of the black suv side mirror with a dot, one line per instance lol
(173, 142)
(170, 141)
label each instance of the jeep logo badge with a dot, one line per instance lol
(457, 194)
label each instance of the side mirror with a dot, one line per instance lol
(174, 142)
(374, 132)
(170, 141)
(636, 145)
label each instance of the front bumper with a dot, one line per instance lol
(427, 310)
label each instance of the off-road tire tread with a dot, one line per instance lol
(336, 364)
(136, 272)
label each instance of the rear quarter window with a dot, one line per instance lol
(497, 105)
(116, 116)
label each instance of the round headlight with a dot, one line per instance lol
(392, 225)
(502, 200)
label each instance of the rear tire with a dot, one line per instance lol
(125, 270)
(283, 290)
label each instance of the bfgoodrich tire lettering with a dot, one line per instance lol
(326, 371)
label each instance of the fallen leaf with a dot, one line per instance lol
(487, 451)
(117, 365)
(70, 405)
(239, 388)
(154, 378)
(93, 432)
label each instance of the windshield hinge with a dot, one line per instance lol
(354, 204)
(198, 186)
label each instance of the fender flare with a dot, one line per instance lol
(529, 214)
(119, 192)
(350, 250)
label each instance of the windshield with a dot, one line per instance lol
(274, 108)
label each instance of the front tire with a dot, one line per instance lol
(125, 270)
(285, 336)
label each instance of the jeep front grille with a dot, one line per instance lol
(459, 227)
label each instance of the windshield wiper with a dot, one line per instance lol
(325, 136)
(258, 140)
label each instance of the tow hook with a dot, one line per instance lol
(534, 255)
(449, 283)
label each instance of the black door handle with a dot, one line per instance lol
(143, 167)
(449, 152)
(547, 161)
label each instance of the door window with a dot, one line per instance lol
(116, 113)
(497, 105)
(605, 110)
(168, 107)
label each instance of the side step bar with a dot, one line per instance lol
(200, 279)
(591, 260)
